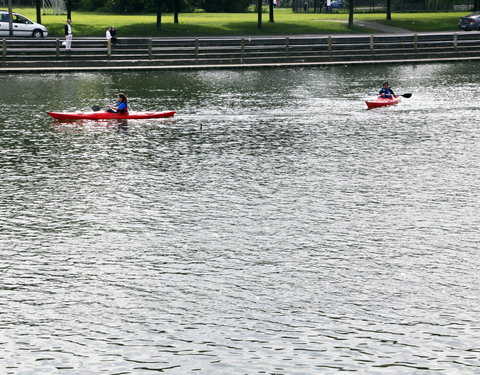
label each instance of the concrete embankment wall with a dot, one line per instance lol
(47, 55)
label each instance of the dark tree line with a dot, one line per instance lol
(139, 6)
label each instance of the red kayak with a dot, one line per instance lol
(381, 102)
(109, 115)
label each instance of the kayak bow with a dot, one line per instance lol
(381, 102)
(109, 115)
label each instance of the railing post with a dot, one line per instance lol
(57, 47)
(330, 42)
(197, 46)
(287, 46)
(150, 52)
(242, 48)
(371, 43)
(4, 48)
(415, 41)
(455, 40)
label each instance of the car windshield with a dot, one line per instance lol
(474, 14)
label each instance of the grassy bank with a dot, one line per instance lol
(198, 24)
(418, 21)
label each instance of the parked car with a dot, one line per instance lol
(22, 26)
(470, 22)
(337, 4)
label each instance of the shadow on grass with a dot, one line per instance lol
(239, 28)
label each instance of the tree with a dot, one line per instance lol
(10, 19)
(259, 13)
(389, 9)
(176, 10)
(159, 14)
(226, 6)
(440, 4)
(38, 5)
(351, 8)
(270, 4)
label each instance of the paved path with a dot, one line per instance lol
(383, 28)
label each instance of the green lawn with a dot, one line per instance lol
(198, 24)
(418, 21)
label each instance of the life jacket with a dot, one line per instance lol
(122, 111)
(386, 92)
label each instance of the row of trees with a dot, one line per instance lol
(174, 6)
(138, 6)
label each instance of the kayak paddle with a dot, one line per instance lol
(407, 95)
(96, 108)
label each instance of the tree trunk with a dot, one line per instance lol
(351, 7)
(38, 4)
(270, 3)
(259, 14)
(159, 14)
(69, 9)
(10, 22)
(176, 5)
(389, 9)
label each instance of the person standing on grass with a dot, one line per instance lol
(68, 35)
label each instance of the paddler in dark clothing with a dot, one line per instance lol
(386, 92)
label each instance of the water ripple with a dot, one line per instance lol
(274, 226)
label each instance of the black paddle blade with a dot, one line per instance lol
(96, 108)
(408, 95)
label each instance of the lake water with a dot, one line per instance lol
(275, 226)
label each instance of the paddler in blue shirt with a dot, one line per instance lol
(121, 107)
(386, 92)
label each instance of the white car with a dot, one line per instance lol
(22, 26)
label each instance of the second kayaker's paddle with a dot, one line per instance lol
(407, 95)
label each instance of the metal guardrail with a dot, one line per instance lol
(152, 47)
(138, 53)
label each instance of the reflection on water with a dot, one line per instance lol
(274, 226)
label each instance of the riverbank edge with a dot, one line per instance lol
(85, 67)
(293, 65)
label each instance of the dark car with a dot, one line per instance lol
(470, 22)
(337, 4)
